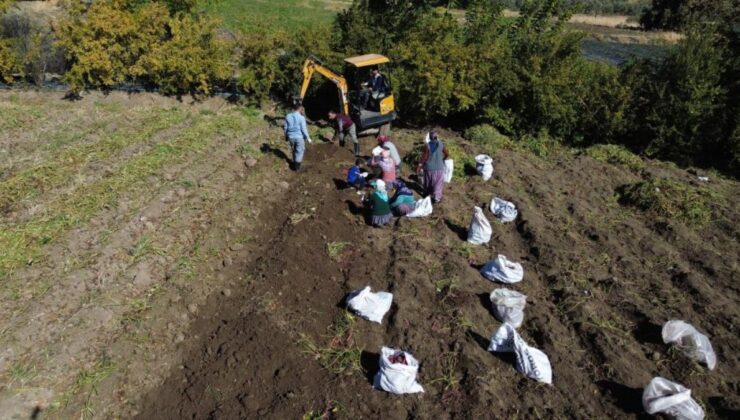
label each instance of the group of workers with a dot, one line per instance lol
(384, 166)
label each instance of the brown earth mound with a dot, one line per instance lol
(601, 280)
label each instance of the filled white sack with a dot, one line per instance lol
(427, 139)
(377, 150)
(397, 378)
(504, 210)
(691, 342)
(503, 270)
(664, 396)
(422, 208)
(449, 169)
(530, 361)
(480, 229)
(484, 166)
(369, 305)
(508, 306)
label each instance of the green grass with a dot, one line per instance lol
(86, 380)
(271, 15)
(615, 155)
(61, 168)
(22, 243)
(341, 354)
(335, 250)
(671, 199)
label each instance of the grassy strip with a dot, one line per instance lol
(672, 200)
(62, 167)
(23, 244)
(75, 129)
(18, 115)
(288, 15)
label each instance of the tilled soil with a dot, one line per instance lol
(601, 280)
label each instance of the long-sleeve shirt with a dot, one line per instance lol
(353, 174)
(394, 152)
(295, 126)
(344, 122)
(377, 84)
(387, 166)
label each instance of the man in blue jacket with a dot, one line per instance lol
(296, 133)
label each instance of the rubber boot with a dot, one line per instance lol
(297, 167)
(357, 149)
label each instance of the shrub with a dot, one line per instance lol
(685, 108)
(8, 63)
(192, 58)
(258, 67)
(488, 137)
(540, 145)
(31, 40)
(670, 199)
(122, 41)
(615, 155)
(104, 44)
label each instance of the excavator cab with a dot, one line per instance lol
(365, 91)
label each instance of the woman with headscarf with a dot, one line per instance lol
(403, 201)
(386, 165)
(377, 203)
(433, 165)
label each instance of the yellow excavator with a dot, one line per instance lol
(368, 108)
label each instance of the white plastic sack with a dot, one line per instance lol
(427, 139)
(691, 342)
(508, 306)
(484, 166)
(449, 169)
(480, 229)
(397, 378)
(503, 270)
(530, 361)
(504, 210)
(377, 150)
(664, 396)
(369, 305)
(422, 208)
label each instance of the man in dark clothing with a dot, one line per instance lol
(377, 88)
(345, 126)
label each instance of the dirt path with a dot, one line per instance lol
(196, 286)
(589, 306)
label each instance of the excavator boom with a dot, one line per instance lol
(314, 65)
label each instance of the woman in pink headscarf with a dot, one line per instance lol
(386, 165)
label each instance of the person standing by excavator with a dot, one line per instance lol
(296, 132)
(345, 126)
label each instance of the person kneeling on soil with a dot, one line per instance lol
(356, 177)
(433, 166)
(387, 166)
(377, 203)
(403, 201)
(345, 126)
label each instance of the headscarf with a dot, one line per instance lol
(379, 186)
(433, 141)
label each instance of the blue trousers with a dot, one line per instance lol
(298, 146)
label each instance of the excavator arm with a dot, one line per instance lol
(314, 65)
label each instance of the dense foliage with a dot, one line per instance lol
(602, 7)
(676, 14)
(525, 76)
(148, 42)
